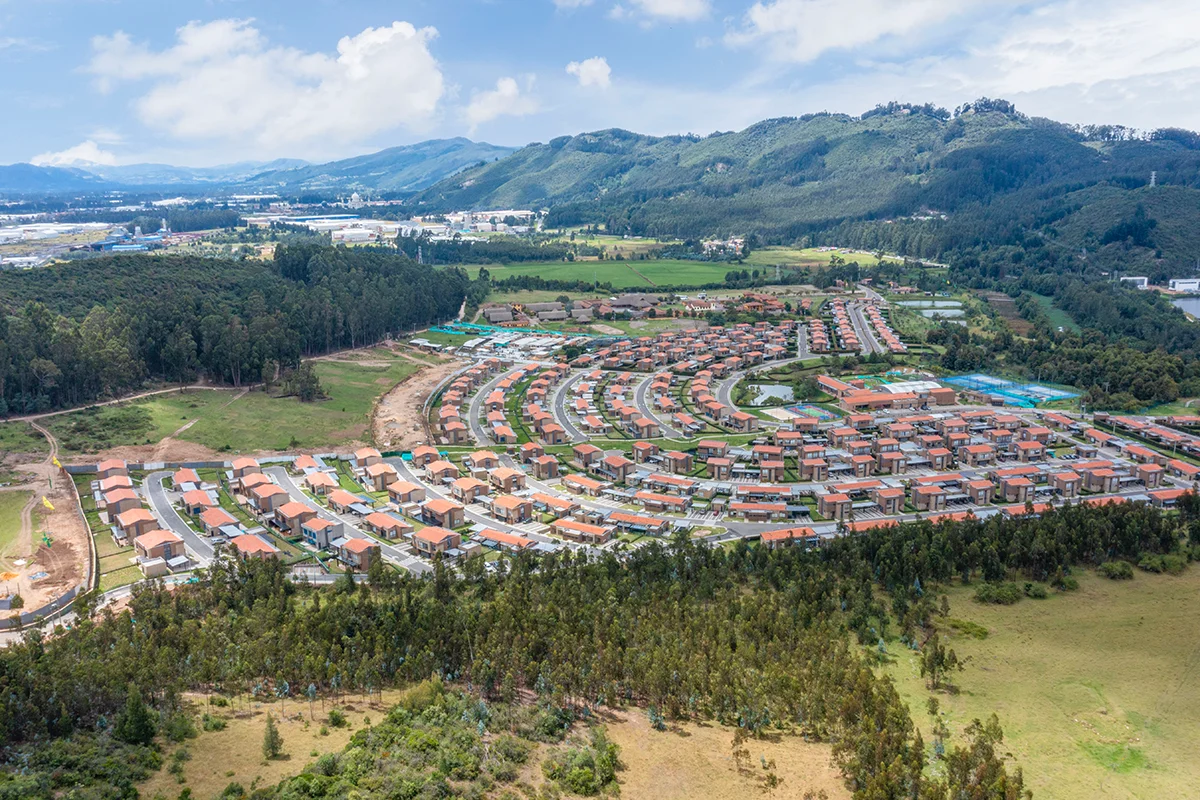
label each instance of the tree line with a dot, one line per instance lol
(87, 331)
(750, 637)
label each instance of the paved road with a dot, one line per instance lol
(160, 501)
(394, 554)
(475, 408)
(643, 404)
(433, 491)
(866, 333)
(558, 408)
(724, 391)
(872, 295)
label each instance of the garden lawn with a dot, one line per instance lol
(1095, 689)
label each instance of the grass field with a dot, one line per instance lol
(690, 760)
(143, 422)
(1179, 408)
(256, 421)
(11, 504)
(621, 274)
(20, 437)
(1058, 318)
(235, 754)
(1095, 689)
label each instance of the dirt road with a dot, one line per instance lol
(64, 560)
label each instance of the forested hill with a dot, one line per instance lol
(996, 175)
(97, 329)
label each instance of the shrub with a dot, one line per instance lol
(1036, 590)
(218, 701)
(212, 723)
(327, 765)
(337, 718)
(1004, 594)
(1170, 563)
(178, 726)
(974, 630)
(510, 748)
(1116, 570)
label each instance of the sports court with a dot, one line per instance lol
(1027, 395)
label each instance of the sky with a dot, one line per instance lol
(205, 82)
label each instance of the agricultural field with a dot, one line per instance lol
(232, 421)
(1094, 689)
(811, 257)
(621, 274)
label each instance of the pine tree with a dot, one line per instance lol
(272, 741)
(135, 724)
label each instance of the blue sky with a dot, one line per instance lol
(204, 82)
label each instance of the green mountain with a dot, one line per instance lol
(397, 169)
(911, 179)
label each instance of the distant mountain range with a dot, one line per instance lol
(397, 169)
(907, 179)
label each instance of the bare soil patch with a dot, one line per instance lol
(609, 329)
(399, 421)
(47, 571)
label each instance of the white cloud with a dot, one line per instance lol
(506, 99)
(803, 30)
(83, 153)
(224, 81)
(1075, 61)
(592, 72)
(662, 10)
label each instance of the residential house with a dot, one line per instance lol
(367, 456)
(119, 501)
(196, 501)
(581, 531)
(158, 544)
(111, 468)
(512, 510)
(319, 532)
(320, 483)
(435, 541)
(402, 493)
(468, 490)
(381, 475)
(267, 497)
(545, 468)
(357, 554)
(291, 516)
(214, 519)
(443, 513)
(507, 480)
(342, 501)
(250, 546)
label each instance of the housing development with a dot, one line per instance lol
(637, 438)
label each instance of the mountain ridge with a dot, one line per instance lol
(403, 168)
